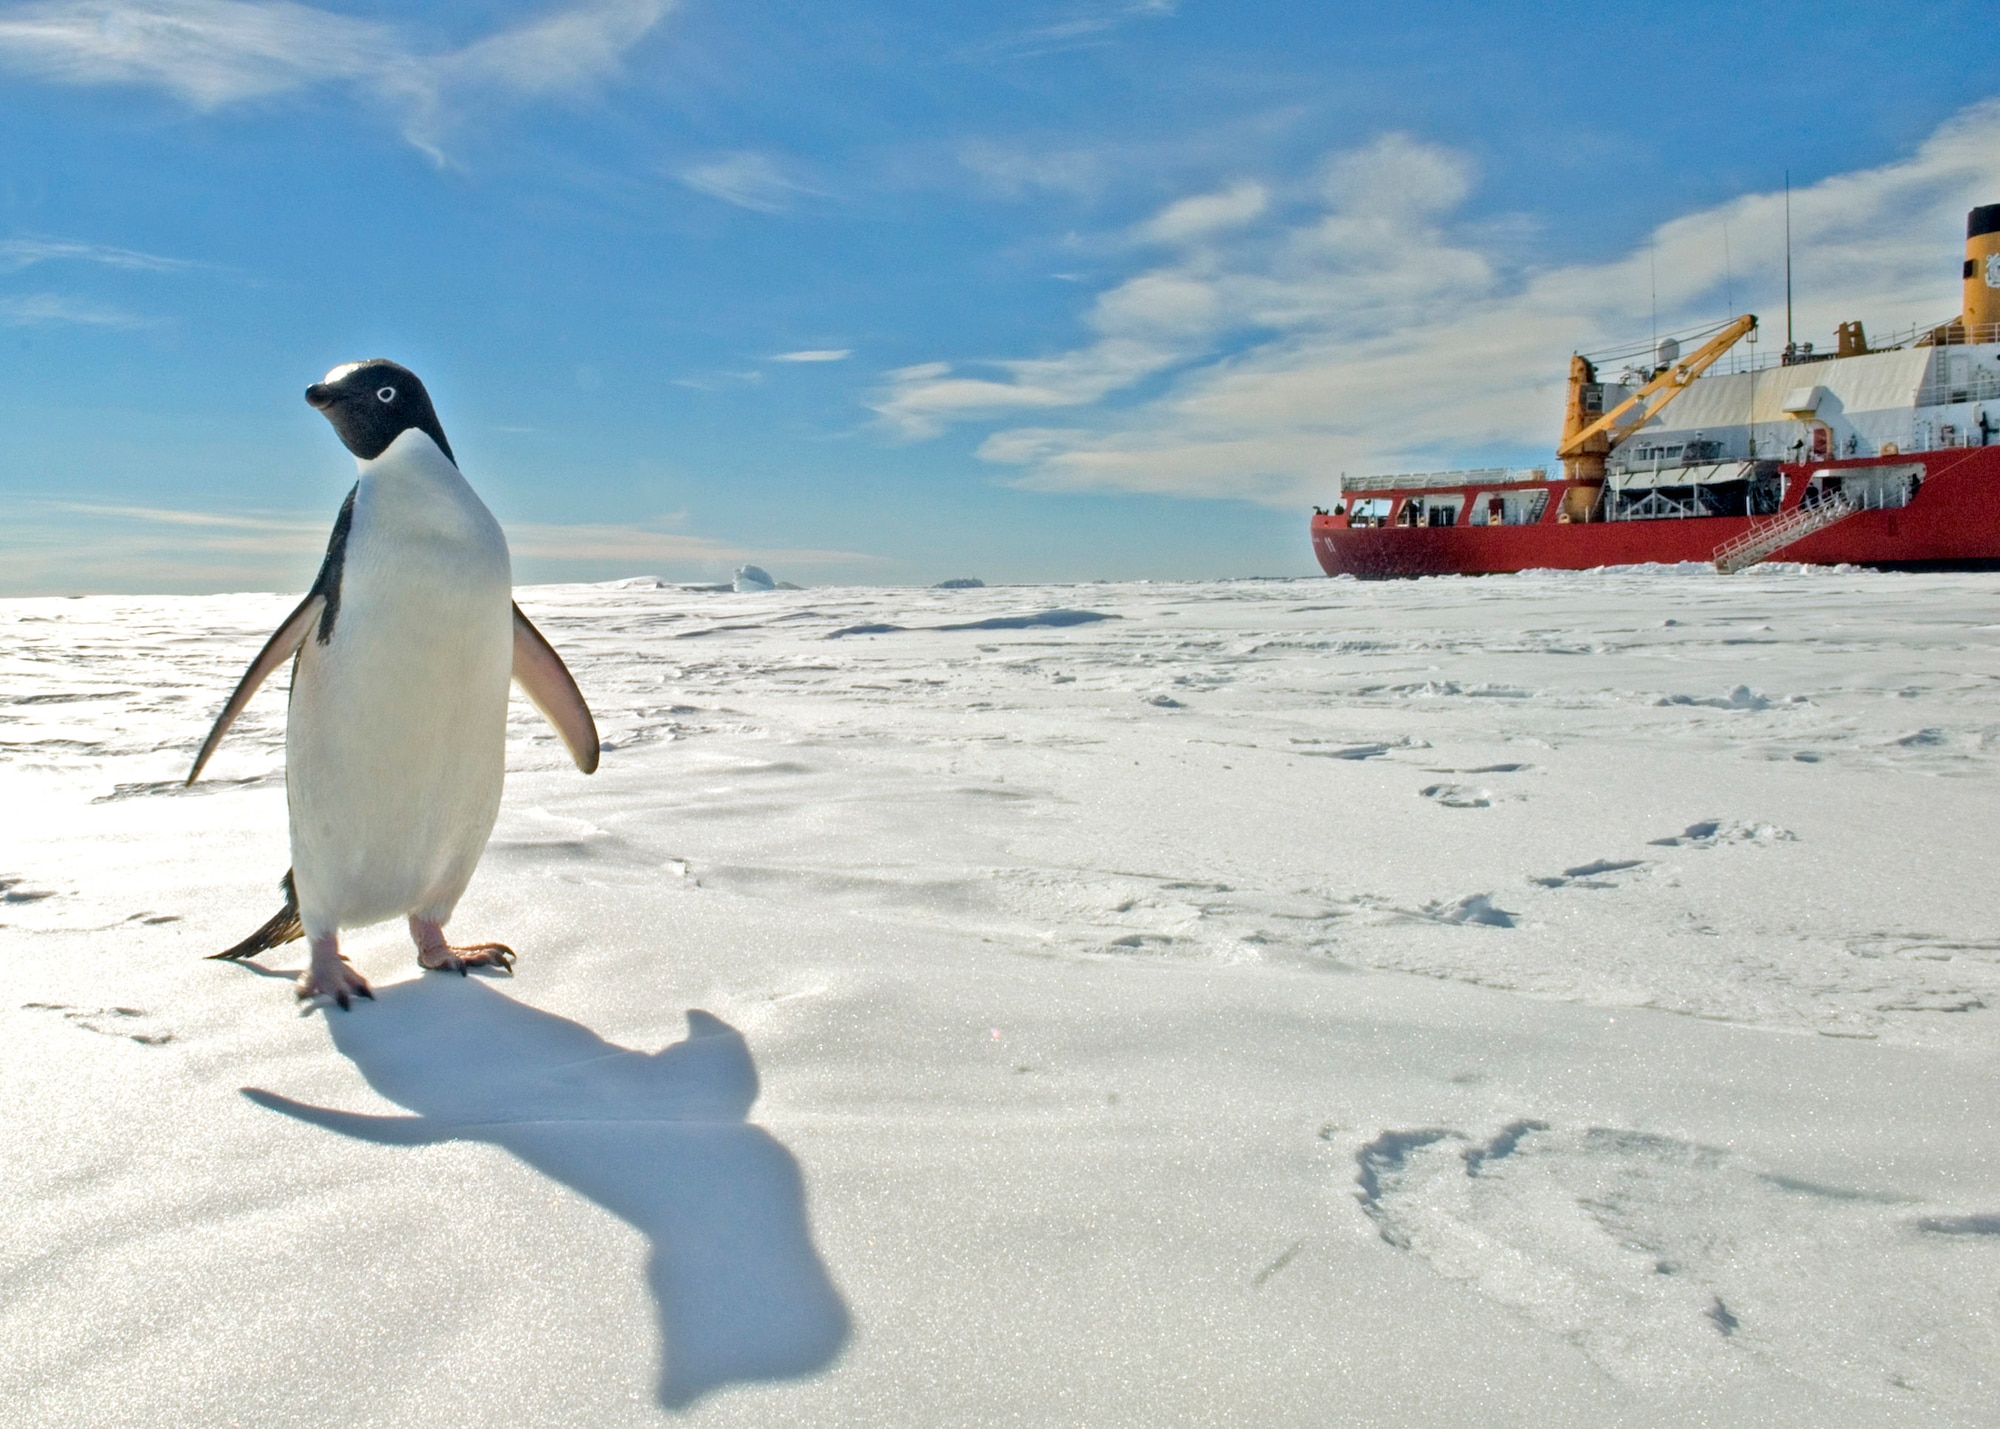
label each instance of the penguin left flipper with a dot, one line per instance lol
(278, 649)
(547, 682)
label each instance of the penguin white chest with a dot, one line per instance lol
(396, 733)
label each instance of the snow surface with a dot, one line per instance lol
(1554, 999)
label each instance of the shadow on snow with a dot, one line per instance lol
(661, 1140)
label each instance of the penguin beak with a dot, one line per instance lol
(320, 396)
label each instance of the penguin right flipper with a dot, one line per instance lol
(553, 691)
(283, 926)
(278, 649)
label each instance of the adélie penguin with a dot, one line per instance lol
(402, 652)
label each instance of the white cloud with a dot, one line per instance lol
(720, 381)
(567, 52)
(748, 180)
(281, 527)
(19, 253)
(1015, 173)
(816, 354)
(36, 309)
(1083, 26)
(636, 547)
(206, 52)
(215, 53)
(69, 546)
(1371, 331)
(1206, 214)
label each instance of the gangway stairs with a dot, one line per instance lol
(1760, 542)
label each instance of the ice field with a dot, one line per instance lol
(1551, 999)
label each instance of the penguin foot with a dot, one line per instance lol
(331, 975)
(444, 958)
(434, 953)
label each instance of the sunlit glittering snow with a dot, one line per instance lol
(1554, 999)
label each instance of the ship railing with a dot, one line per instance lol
(1882, 496)
(1431, 480)
(1865, 488)
(1978, 385)
(1950, 333)
(1955, 334)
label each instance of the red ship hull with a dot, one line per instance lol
(1951, 523)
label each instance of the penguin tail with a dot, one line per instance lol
(282, 928)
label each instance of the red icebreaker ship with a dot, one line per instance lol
(1884, 456)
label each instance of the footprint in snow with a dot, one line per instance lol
(1740, 698)
(1475, 909)
(1710, 832)
(127, 1022)
(1590, 875)
(1458, 796)
(11, 891)
(1664, 1260)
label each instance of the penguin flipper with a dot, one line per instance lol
(384, 1130)
(278, 649)
(282, 927)
(542, 674)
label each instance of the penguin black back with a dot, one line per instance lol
(372, 402)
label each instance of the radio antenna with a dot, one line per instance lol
(1788, 263)
(1728, 275)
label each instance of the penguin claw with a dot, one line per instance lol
(343, 997)
(446, 959)
(341, 983)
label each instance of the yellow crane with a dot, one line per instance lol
(1586, 442)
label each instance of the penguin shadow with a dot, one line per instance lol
(661, 1140)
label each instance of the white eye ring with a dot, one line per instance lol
(385, 394)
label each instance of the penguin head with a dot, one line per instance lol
(371, 403)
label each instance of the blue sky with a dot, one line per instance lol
(886, 292)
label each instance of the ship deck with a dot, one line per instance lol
(1944, 515)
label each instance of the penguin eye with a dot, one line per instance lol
(385, 394)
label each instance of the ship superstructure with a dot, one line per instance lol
(1885, 454)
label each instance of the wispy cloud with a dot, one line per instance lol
(567, 52)
(1019, 173)
(206, 52)
(214, 53)
(208, 532)
(1358, 325)
(19, 253)
(265, 525)
(748, 180)
(1146, 325)
(1205, 215)
(720, 381)
(57, 547)
(1079, 27)
(636, 547)
(49, 545)
(816, 354)
(40, 309)
(1028, 166)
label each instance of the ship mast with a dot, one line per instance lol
(1789, 347)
